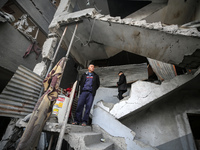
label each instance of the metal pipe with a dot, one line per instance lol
(54, 57)
(69, 48)
(71, 41)
(36, 35)
(62, 131)
(50, 142)
(55, 54)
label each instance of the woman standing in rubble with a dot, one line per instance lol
(122, 85)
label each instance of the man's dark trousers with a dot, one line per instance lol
(121, 92)
(87, 98)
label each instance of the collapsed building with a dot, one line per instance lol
(156, 43)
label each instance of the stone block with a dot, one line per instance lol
(40, 69)
(48, 48)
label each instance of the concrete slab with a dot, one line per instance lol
(145, 93)
(87, 141)
(173, 43)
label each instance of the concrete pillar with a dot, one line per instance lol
(47, 55)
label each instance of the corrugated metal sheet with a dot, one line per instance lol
(21, 93)
(163, 71)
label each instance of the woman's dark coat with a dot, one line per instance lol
(122, 85)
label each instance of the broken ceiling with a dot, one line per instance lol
(97, 34)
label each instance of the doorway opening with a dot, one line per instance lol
(194, 120)
(3, 125)
(5, 77)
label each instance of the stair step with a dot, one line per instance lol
(92, 138)
(101, 146)
(78, 128)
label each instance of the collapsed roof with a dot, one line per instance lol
(102, 36)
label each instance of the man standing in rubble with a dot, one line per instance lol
(122, 85)
(89, 83)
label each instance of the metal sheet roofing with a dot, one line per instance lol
(163, 71)
(21, 93)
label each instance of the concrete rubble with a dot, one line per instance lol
(48, 48)
(40, 69)
(47, 55)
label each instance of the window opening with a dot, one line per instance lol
(23, 23)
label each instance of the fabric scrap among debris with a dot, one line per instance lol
(33, 47)
(42, 109)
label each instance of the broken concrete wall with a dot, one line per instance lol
(13, 46)
(116, 129)
(165, 124)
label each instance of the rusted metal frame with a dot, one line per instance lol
(50, 142)
(55, 54)
(62, 131)
(69, 48)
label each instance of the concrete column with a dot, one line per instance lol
(47, 55)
